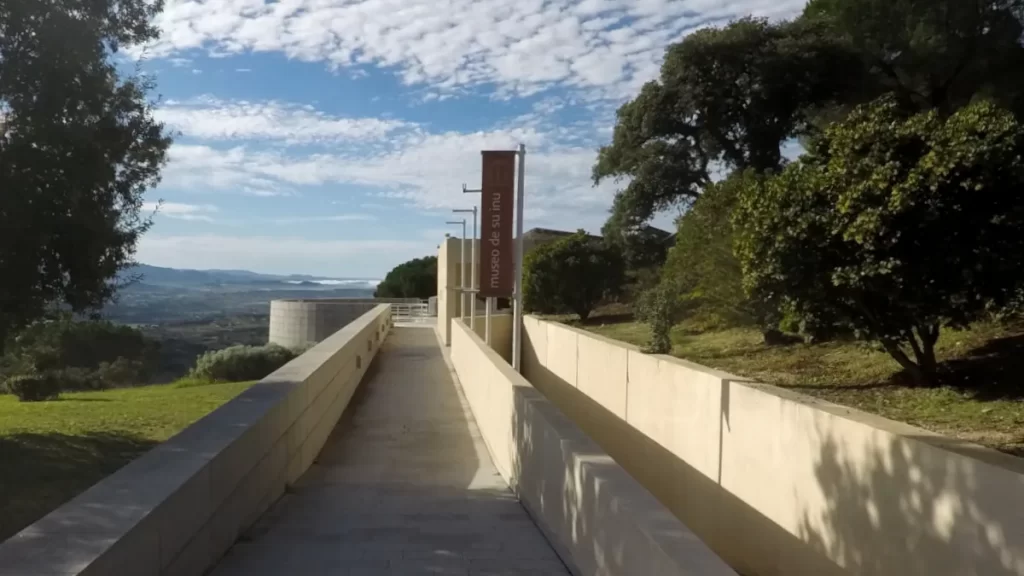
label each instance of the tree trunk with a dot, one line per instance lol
(923, 368)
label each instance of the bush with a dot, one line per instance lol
(572, 274)
(658, 307)
(83, 355)
(893, 227)
(238, 363)
(34, 387)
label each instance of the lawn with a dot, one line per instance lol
(981, 397)
(51, 451)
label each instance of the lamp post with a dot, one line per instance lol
(462, 263)
(472, 274)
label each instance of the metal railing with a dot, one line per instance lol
(411, 313)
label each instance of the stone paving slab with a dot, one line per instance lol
(404, 487)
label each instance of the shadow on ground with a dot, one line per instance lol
(993, 371)
(39, 472)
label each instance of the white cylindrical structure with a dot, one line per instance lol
(517, 313)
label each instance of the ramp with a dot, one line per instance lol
(404, 486)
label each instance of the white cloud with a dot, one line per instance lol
(328, 218)
(210, 118)
(180, 62)
(425, 171)
(281, 255)
(197, 71)
(196, 212)
(243, 69)
(607, 47)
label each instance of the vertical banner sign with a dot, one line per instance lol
(497, 253)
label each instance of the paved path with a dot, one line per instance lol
(404, 487)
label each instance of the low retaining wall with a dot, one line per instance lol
(781, 484)
(177, 509)
(598, 518)
(299, 323)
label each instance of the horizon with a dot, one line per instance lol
(330, 138)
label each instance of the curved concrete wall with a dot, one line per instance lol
(177, 509)
(599, 519)
(299, 323)
(780, 484)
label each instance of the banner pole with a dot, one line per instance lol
(517, 316)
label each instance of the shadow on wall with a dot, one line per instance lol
(39, 472)
(876, 506)
(563, 506)
(728, 525)
(871, 520)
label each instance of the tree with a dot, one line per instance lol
(701, 267)
(78, 148)
(572, 274)
(727, 98)
(896, 226)
(932, 54)
(413, 279)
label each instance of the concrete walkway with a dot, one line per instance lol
(404, 487)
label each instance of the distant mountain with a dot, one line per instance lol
(159, 276)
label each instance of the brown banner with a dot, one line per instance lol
(497, 250)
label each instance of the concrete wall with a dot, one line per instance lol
(600, 520)
(782, 484)
(449, 281)
(300, 323)
(178, 508)
(501, 334)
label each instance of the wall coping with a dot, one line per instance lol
(662, 529)
(897, 428)
(146, 515)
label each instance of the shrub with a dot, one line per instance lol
(34, 387)
(658, 307)
(572, 274)
(84, 353)
(238, 363)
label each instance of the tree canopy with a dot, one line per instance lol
(78, 148)
(893, 226)
(728, 98)
(413, 279)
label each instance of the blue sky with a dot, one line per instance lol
(333, 136)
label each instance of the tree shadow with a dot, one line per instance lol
(902, 507)
(39, 472)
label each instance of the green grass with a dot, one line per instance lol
(51, 451)
(980, 399)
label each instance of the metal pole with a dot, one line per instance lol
(517, 317)
(487, 321)
(463, 315)
(472, 275)
(472, 279)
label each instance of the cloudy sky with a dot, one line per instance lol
(333, 136)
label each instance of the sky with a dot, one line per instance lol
(333, 137)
